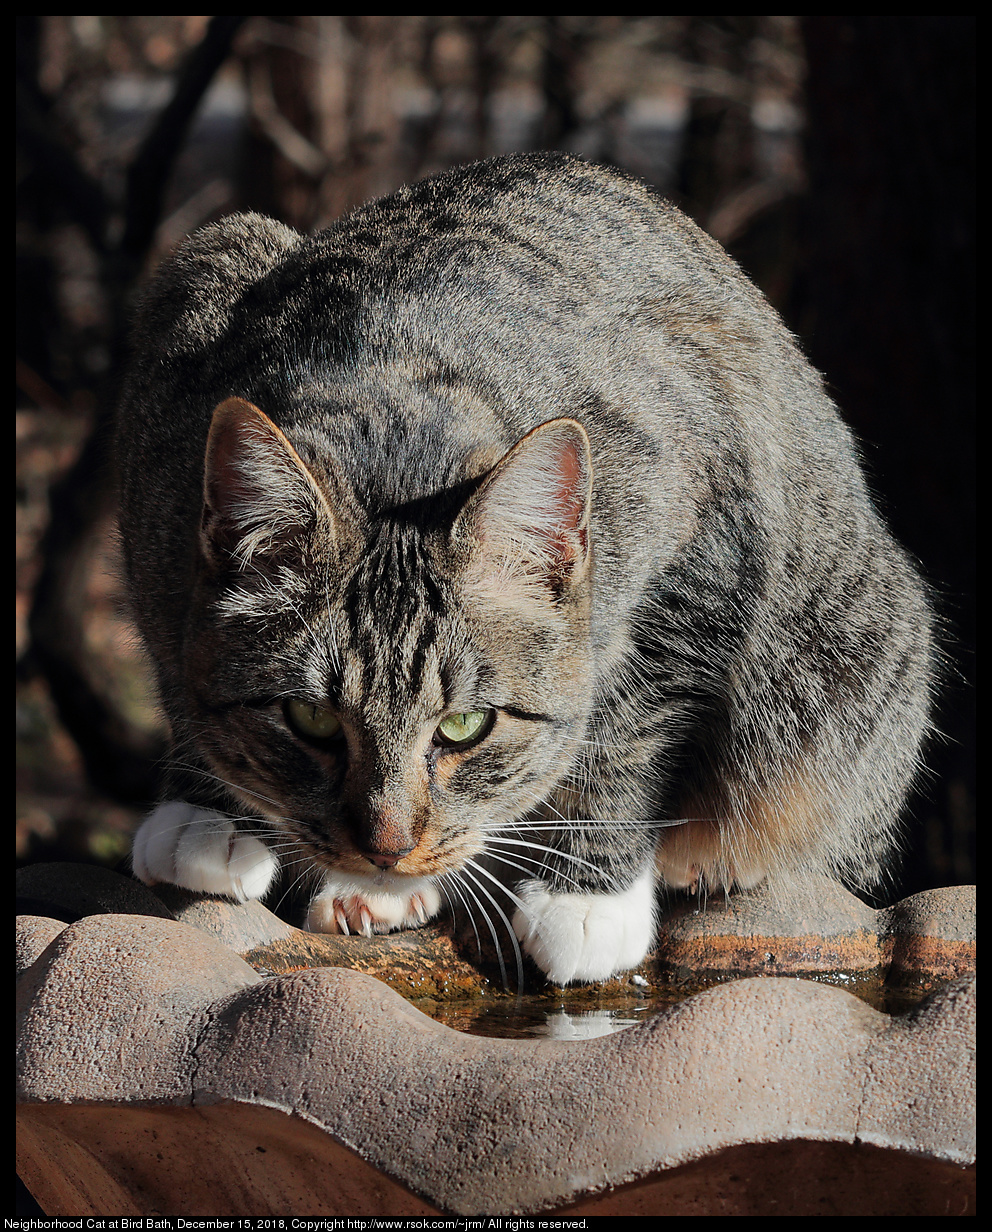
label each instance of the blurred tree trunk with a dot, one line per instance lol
(888, 317)
(323, 109)
(717, 150)
(121, 228)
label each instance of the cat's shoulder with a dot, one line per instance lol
(186, 306)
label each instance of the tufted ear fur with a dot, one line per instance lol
(529, 519)
(258, 495)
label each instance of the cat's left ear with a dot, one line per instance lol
(258, 495)
(529, 519)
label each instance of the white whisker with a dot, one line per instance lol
(470, 871)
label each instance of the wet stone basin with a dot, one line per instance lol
(181, 1055)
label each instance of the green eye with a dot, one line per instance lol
(464, 729)
(312, 722)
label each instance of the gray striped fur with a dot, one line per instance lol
(732, 640)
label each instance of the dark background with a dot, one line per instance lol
(833, 156)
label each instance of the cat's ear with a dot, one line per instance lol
(259, 498)
(529, 519)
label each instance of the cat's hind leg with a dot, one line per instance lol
(182, 844)
(348, 904)
(586, 936)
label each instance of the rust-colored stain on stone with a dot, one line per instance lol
(185, 1056)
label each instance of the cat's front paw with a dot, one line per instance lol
(585, 936)
(356, 905)
(183, 845)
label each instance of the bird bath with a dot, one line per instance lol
(179, 1055)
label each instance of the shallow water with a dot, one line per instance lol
(564, 1014)
(558, 1016)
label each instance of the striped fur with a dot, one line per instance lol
(518, 442)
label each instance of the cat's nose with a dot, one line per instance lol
(386, 859)
(385, 834)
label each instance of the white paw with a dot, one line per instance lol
(369, 905)
(586, 936)
(192, 847)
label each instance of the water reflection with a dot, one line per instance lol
(581, 1015)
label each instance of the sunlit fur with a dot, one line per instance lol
(519, 439)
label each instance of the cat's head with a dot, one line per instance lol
(386, 687)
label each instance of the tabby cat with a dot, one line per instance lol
(496, 547)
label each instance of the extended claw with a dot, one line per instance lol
(339, 909)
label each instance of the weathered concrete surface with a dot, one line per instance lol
(158, 1072)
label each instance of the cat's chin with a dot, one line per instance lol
(184, 845)
(351, 904)
(586, 937)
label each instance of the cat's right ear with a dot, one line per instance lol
(259, 498)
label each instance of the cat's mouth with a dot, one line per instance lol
(425, 862)
(397, 878)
